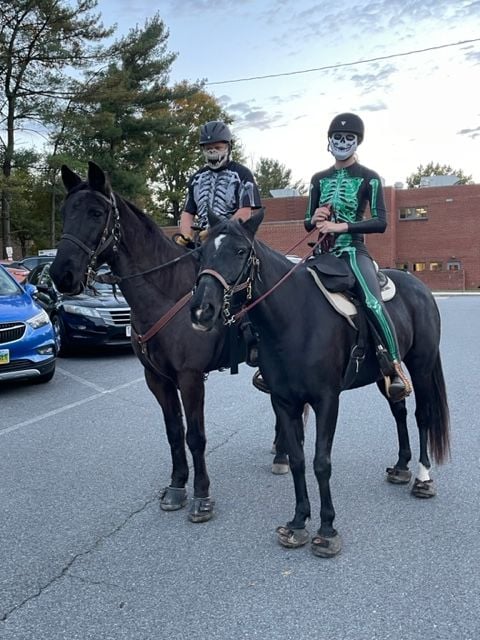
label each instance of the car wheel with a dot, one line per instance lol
(60, 339)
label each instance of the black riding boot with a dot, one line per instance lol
(400, 386)
(397, 385)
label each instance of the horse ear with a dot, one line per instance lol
(97, 179)
(212, 218)
(251, 225)
(70, 179)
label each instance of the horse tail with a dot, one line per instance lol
(439, 415)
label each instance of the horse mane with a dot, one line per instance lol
(236, 227)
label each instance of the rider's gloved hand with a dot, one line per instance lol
(184, 240)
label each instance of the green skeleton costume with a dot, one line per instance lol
(347, 191)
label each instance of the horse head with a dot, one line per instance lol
(228, 265)
(90, 228)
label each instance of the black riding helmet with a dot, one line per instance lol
(215, 131)
(348, 123)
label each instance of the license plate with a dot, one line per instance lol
(128, 331)
(4, 356)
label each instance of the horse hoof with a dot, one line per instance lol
(398, 476)
(423, 489)
(173, 498)
(292, 538)
(201, 510)
(280, 469)
(326, 547)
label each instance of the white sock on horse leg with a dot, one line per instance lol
(423, 474)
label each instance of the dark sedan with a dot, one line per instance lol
(97, 317)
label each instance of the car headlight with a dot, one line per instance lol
(39, 320)
(81, 311)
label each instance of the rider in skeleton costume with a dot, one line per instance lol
(222, 186)
(337, 202)
(226, 188)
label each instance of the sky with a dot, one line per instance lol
(340, 55)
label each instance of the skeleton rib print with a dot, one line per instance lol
(217, 192)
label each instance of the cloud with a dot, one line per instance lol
(377, 78)
(375, 106)
(248, 115)
(471, 133)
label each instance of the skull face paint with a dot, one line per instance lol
(342, 145)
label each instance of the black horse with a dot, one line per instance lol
(100, 226)
(305, 347)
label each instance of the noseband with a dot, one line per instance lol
(229, 290)
(108, 237)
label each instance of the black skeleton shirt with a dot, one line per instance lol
(222, 192)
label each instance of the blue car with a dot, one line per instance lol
(27, 339)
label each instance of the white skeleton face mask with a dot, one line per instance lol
(342, 145)
(216, 155)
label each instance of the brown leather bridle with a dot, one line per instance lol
(244, 282)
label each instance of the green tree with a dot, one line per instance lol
(271, 174)
(30, 194)
(437, 169)
(39, 41)
(121, 111)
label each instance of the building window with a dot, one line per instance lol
(435, 266)
(419, 266)
(454, 265)
(402, 265)
(413, 213)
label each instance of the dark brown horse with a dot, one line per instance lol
(305, 348)
(100, 226)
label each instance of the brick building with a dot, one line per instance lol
(434, 232)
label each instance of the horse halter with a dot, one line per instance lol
(229, 290)
(109, 236)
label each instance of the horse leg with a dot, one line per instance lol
(290, 425)
(192, 390)
(326, 542)
(432, 415)
(280, 462)
(174, 496)
(423, 486)
(399, 473)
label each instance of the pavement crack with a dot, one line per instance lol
(82, 554)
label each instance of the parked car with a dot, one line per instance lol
(33, 261)
(17, 271)
(27, 339)
(97, 317)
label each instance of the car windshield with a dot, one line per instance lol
(8, 286)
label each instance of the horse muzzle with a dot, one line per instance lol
(203, 316)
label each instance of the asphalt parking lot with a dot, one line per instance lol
(86, 552)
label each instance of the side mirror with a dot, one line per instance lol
(31, 289)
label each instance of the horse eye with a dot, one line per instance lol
(241, 252)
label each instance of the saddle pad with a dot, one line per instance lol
(342, 304)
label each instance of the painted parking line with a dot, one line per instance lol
(67, 407)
